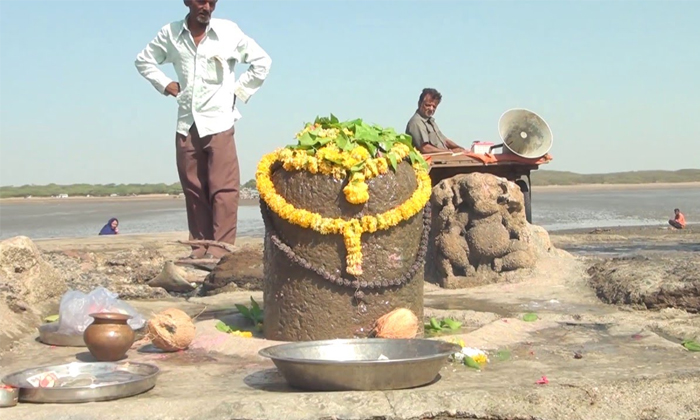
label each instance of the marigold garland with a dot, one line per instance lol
(352, 229)
(352, 150)
(330, 160)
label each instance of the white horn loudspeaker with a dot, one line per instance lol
(524, 133)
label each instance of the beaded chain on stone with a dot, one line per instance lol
(355, 284)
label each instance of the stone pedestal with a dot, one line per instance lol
(299, 303)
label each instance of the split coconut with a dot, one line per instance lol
(399, 323)
(171, 330)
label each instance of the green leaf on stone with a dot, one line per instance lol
(51, 318)
(369, 146)
(469, 362)
(503, 355)
(254, 305)
(435, 325)
(342, 141)
(691, 345)
(307, 140)
(243, 310)
(392, 160)
(223, 327)
(451, 324)
(530, 317)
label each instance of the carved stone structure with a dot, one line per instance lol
(479, 232)
(300, 301)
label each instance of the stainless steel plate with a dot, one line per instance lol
(84, 382)
(360, 364)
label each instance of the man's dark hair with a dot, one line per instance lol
(675, 210)
(433, 93)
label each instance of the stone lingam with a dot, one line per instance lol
(347, 218)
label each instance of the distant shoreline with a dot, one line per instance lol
(254, 202)
(132, 198)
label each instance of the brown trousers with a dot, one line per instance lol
(210, 178)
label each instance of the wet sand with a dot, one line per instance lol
(608, 187)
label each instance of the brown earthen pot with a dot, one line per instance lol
(109, 337)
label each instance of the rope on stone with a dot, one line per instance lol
(355, 284)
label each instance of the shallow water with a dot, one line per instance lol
(553, 210)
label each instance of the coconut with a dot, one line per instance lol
(399, 323)
(171, 330)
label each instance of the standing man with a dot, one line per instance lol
(203, 52)
(423, 129)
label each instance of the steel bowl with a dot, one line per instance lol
(48, 334)
(360, 364)
(85, 382)
(8, 396)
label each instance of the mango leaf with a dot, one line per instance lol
(412, 156)
(469, 362)
(369, 146)
(307, 139)
(320, 142)
(51, 318)
(366, 133)
(336, 161)
(223, 327)
(243, 310)
(405, 139)
(435, 325)
(357, 167)
(353, 123)
(451, 323)
(392, 160)
(253, 304)
(530, 317)
(691, 345)
(342, 141)
(386, 145)
(334, 119)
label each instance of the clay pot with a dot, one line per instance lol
(109, 337)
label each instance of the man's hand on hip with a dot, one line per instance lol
(173, 89)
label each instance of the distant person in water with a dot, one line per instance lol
(677, 222)
(111, 228)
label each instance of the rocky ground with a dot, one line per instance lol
(611, 319)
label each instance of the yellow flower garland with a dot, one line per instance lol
(325, 163)
(330, 160)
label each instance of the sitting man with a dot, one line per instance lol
(423, 129)
(679, 221)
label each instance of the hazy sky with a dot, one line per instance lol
(618, 81)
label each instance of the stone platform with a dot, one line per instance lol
(632, 365)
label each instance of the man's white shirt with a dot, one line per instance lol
(205, 72)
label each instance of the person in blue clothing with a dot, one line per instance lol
(111, 228)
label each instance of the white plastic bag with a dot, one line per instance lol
(76, 307)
